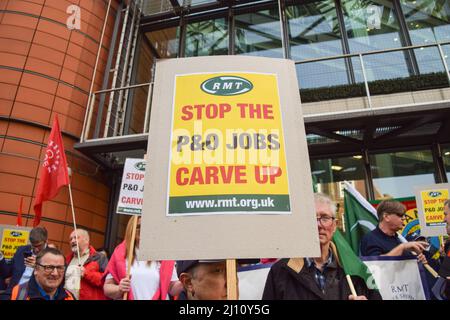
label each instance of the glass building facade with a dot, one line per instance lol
(338, 44)
(372, 74)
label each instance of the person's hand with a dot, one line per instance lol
(421, 257)
(352, 297)
(415, 246)
(30, 261)
(125, 285)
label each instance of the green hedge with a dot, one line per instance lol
(412, 83)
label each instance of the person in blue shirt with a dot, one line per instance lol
(384, 240)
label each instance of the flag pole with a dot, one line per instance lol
(19, 213)
(73, 217)
(426, 265)
(350, 284)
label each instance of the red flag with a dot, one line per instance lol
(54, 172)
(19, 213)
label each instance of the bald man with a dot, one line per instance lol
(84, 276)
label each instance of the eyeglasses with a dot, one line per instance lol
(401, 215)
(325, 221)
(49, 268)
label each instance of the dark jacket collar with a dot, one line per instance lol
(379, 231)
(299, 270)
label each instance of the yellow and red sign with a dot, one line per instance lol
(433, 206)
(12, 239)
(227, 145)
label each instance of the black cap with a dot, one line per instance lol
(185, 265)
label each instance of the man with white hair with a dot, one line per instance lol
(84, 275)
(318, 278)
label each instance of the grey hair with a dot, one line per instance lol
(325, 199)
(83, 233)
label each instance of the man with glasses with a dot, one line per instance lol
(47, 281)
(318, 278)
(384, 240)
(22, 265)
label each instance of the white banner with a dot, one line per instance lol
(132, 187)
(252, 280)
(398, 278)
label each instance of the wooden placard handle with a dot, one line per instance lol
(232, 286)
(131, 250)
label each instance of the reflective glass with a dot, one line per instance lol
(328, 176)
(396, 174)
(373, 25)
(428, 21)
(165, 42)
(446, 158)
(258, 34)
(207, 38)
(314, 32)
(137, 98)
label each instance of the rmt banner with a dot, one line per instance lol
(132, 187)
(229, 156)
(227, 152)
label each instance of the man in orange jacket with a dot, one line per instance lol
(84, 276)
(47, 281)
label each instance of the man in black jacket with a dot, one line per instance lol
(320, 278)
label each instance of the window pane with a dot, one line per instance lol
(428, 21)
(138, 96)
(396, 174)
(165, 42)
(328, 175)
(446, 157)
(207, 38)
(313, 30)
(318, 74)
(258, 34)
(373, 25)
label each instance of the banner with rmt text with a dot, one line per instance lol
(227, 152)
(228, 169)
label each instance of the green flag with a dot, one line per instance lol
(351, 263)
(360, 216)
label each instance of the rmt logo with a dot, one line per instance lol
(226, 86)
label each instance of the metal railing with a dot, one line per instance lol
(105, 124)
(368, 67)
(360, 69)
